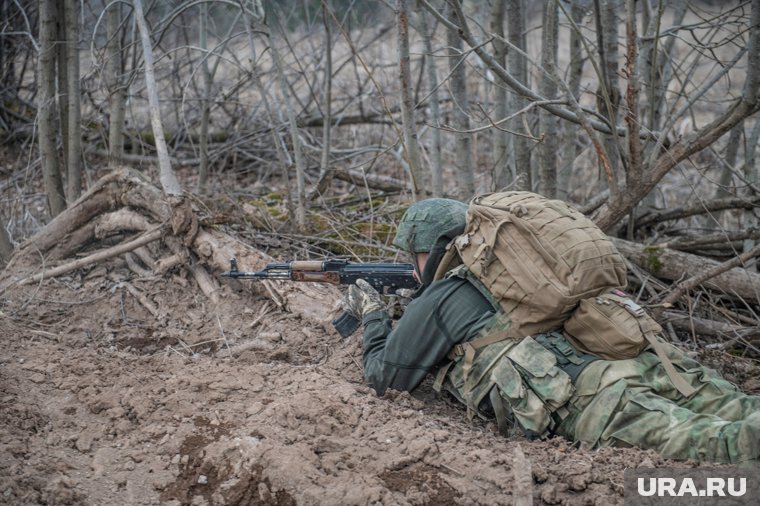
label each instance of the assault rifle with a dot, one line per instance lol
(386, 278)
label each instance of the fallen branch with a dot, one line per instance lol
(135, 267)
(144, 255)
(384, 183)
(120, 194)
(142, 299)
(165, 264)
(701, 326)
(117, 250)
(710, 241)
(699, 208)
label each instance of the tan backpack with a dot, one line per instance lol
(538, 258)
(548, 266)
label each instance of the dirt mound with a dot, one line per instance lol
(101, 402)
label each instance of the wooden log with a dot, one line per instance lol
(675, 265)
(384, 183)
(310, 300)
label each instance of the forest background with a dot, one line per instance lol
(642, 113)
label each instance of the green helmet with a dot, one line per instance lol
(425, 221)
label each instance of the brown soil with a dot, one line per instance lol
(103, 404)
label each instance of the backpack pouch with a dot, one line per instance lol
(532, 386)
(611, 327)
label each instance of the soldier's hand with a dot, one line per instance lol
(361, 299)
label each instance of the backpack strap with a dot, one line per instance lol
(449, 260)
(681, 384)
(468, 349)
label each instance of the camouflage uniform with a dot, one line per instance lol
(541, 385)
(633, 403)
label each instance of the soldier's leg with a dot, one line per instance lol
(633, 403)
(648, 420)
(715, 395)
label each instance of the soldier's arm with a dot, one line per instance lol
(445, 314)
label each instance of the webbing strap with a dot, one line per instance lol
(681, 384)
(440, 376)
(650, 328)
(469, 348)
(570, 360)
(447, 262)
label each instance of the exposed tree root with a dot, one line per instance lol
(124, 207)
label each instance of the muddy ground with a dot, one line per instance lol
(102, 403)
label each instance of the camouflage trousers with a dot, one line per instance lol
(633, 403)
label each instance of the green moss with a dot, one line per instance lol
(654, 264)
(381, 232)
(148, 137)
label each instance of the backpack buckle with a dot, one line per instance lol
(633, 308)
(456, 351)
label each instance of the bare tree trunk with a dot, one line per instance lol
(726, 187)
(608, 94)
(518, 68)
(116, 99)
(46, 108)
(5, 22)
(6, 245)
(662, 71)
(501, 172)
(750, 217)
(169, 182)
(729, 160)
(649, 70)
(249, 20)
(635, 167)
(74, 140)
(63, 83)
(325, 174)
(461, 118)
(548, 123)
(408, 123)
(569, 132)
(205, 107)
(294, 137)
(431, 72)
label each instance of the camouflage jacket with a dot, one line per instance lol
(530, 385)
